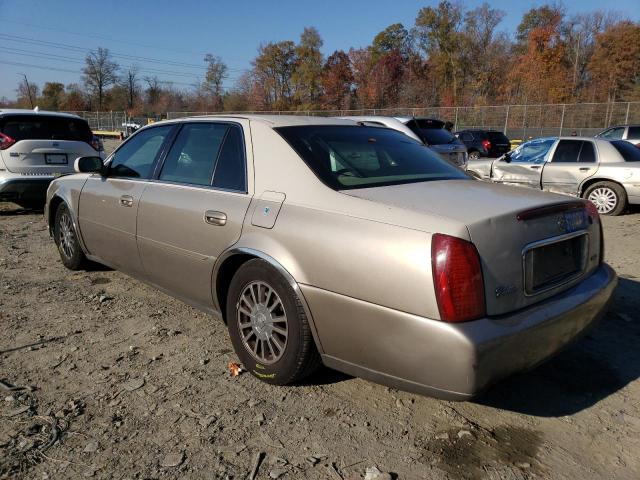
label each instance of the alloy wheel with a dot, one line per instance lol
(66, 236)
(262, 322)
(604, 198)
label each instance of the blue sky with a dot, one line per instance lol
(177, 34)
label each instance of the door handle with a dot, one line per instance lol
(126, 201)
(213, 217)
(536, 167)
(584, 169)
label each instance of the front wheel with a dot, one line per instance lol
(608, 197)
(268, 327)
(64, 234)
(474, 155)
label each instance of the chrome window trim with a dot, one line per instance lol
(160, 161)
(549, 241)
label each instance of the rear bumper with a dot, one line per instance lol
(452, 361)
(24, 188)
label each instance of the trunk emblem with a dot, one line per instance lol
(503, 290)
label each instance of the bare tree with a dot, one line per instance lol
(130, 82)
(100, 72)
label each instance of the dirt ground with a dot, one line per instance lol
(120, 381)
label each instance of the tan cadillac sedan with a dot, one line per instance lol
(324, 241)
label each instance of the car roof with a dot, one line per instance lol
(26, 111)
(272, 121)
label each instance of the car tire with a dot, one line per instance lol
(474, 155)
(608, 197)
(66, 239)
(259, 298)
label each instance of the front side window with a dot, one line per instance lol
(230, 172)
(193, 155)
(346, 157)
(534, 151)
(135, 158)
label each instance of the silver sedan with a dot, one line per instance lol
(605, 172)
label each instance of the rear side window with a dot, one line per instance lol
(634, 132)
(574, 151)
(588, 153)
(136, 156)
(192, 157)
(466, 137)
(45, 127)
(629, 152)
(230, 172)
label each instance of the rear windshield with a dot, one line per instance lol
(629, 152)
(347, 157)
(45, 127)
(497, 137)
(436, 136)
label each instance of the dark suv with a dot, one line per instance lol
(484, 143)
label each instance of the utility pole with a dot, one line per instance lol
(28, 88)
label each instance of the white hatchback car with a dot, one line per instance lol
(37, 146)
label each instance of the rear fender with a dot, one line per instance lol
(280, 259)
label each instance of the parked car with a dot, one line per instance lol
(35, 146)
(484, 143)
(321, 240)
(429, 131)
(630, 133)
(605, 172)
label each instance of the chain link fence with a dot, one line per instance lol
(104, 121)
(516, 121)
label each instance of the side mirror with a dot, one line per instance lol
(88, 165)
(507, 158)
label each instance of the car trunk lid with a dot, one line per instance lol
(519, 254)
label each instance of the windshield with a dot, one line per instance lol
(533, 151)
(45, 127)
(346, 157)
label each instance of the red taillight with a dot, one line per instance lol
(6, 141)
(457, 278)
(486, 144)
(96, 143)
(592, 211)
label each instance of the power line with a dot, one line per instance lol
(102, 37)
(49, 56)
(64, 46)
